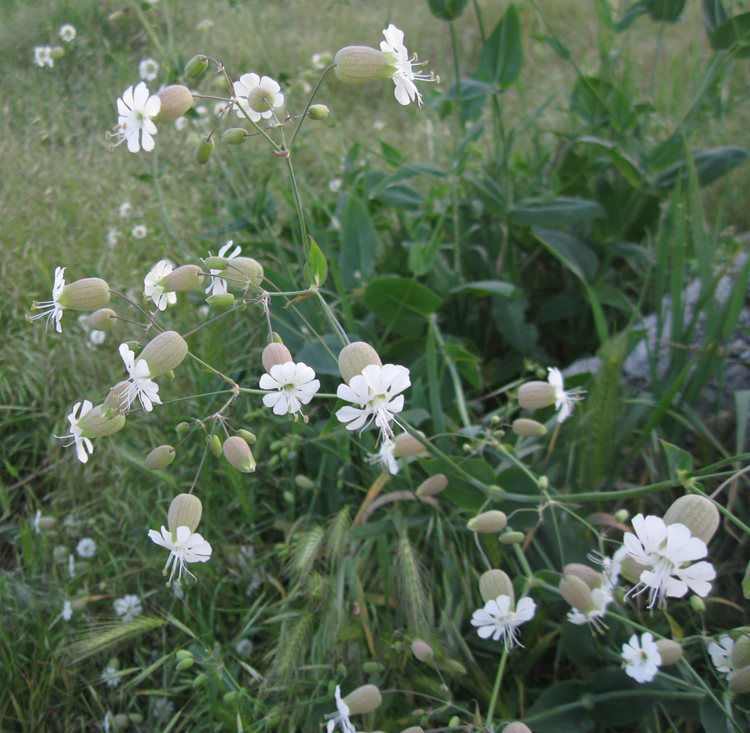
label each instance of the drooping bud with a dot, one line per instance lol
(246, 267)
(247, 435)
(204, 150)
(238, 453)
(216, 263)
(183, 654)
(577, 593)
(220, 300)
(184, 511)
(45, 523)
(175, 101)
(214, 442)
(517, 727)
(535, 395)
(592, 578)
(407, 445)
(196, 66)
(303, 482)
(631, 570)
(78, 605)
(512, 538)
(362, 64)
(184, 664)
(235, 136)
(102, 320)
(122, 721)
(739, 681)
(453, 667)
(94, 424)
(697, 513)
(115, 401)
(186, 277)
(160, 457)
(275, 354)
(88, 294)
(363, 700)
(433, 485)
(622, 515)
(57, 53)
(164, 353)
(372, 667)
(697, 604)
(354, 357)
(528, 428)
(492, 521)
(422, 651)
(496, 583)
(318, 112)
(740, 654)
(669, 651)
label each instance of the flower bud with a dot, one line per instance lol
(214, 443)
(247, 435)
(238, 453)
(234, 136)
(528, 428)
(363, 700)
(697, 604)
(452, 666)
(739, 681)
(622, 516)
(407, 445)
(534, 395)
(740, 655)
(94, 424)
(512, 538)
(492, 521)
(122, 721)
(355, 357)
(303, 482)
(57, 53)
(318, 112)
(186, 277)
(175, 101)
(275, 354)
(372, 667)
(184, 511)
(196, 66)
(185, 664)
(88, 294)
(102, 320)
(697, 513)
(45, 523)
(220, 300)
(362, 64)
(78, 605)
(517, 727)
(433, 485)
(496, 583)
(164, 353)
(204, 150)
(183, 654)
(200, 680)
(669, 651)
(592, 578)
(577, 593)
(422, 651)
(137, 718)
(216, 263)
(160, 457)
(249, 268)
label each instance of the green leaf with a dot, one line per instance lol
(733, 30)
(489, 193)
(556, 710)
(316, 267)
(746, 583)
(501, 59)
(624, 163)
(393, 156)
(678, 461)
(619, 708)
(401, 304)
(742, 413)
(447, 9)
(560, 210)
(488, 287)
(713, 15)
(714, 718)
(600, 102)
(710, 165)
(665, 11)
(358, 243)
(401, 196)
(573, 253)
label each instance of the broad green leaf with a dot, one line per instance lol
(466, 363)
(714, 718)
(710, 165)
(624, 163)
(401, 304)
(317, 354)
(560, 210)
(358, 243)
(509, 316)
(678, 461)
(488, 287)
(560, 709)
(733, 30)
(713, 15)
(447, 9)
(501, 59)
(316, 267)
(573, 253)
(600, 102)
(393, 156)
(746, 583)
(665, 11)
(401, 196)
(489, 193)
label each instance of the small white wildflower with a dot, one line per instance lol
(136, 110)
(126, 209)
(295, 385)
(641, 658)
(43, 56)
(86, 548)
(406, 90)
(721, 652)
(71, 567)
(67, 611)
(67, 33)
(334, 185)
(139, 231)
(184, 546)
(111, 675)
(152, 290)
(257, 96)
(340, 718)
(163, 707)
(386, 459)
(113, 236)
(141, 385)
(148, 69)
(52, 308)
(181, 123)
(218, 285)
(97, 337)
(35, 522)
(564, 401)
(128, 607)
(244, 648)
(498, 620)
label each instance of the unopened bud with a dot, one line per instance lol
(592, 578)
(372, 667)
(517, 727)
(196, 66)
(214, 442)
(739, 681)
(512, 538)
(102, 320)
(164, 353)
(160, 457)
(697, 604)
(204, 150)
(200, 680)
(422, 651)
(362, 64)
(275, 354)
(94, 424)
(407, 445)
(238, 453)
(740, 654)
(355, 357)
(535, 395)
(248, 268)
(496, 583)
(185, 664)
(247, 435)
(303, 482)
(492, 521)
(57, 53)
(175, 101)
(318, 112)
(45, 523)
(186, 277)
(528, 428)
(577, 593)
(184, 511)
(697, 513)
(220, 300)
(78, 605)
(234, 136)
(433, 485)
(182, 654)
(669, 651)
(137, 718)
(453, 667)
(88, 294)
(622, 516)
(363, 700)
(216, 263)
(122, 720)
(182, 428)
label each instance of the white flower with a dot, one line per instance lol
(341, 718)
(43, 56)
(113, 235)
(641, 658)
(126, 209)
(128, 607)
(601, 597)
(67, 33)
(71, 567)
(84, 447)
(721, 651)
(148, 69)
(204, 25)
(244, 648)
(257, 96)
(668, 550)
(219, 107)
(201, 110)
(406, 90)
(295, 384)
(136, 110)
(334, 185)
(86, 547)
(181, 123)
(378, 392)
(321, 60)
(111, 675)
(35, 522)
(218, 285)
(564, 401)
(498, 620)
(153, 291)
(184, 546)
(385, 457)
(139, 231)
(163, 707)
(51, 308)
(141, 385)
(97, 337)
(67, 611)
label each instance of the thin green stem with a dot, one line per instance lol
(332, 320)
(455, 378)
(307, 108)
(496, 688)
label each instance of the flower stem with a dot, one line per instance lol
(309, 104)
(331, 318)
(496, 688)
